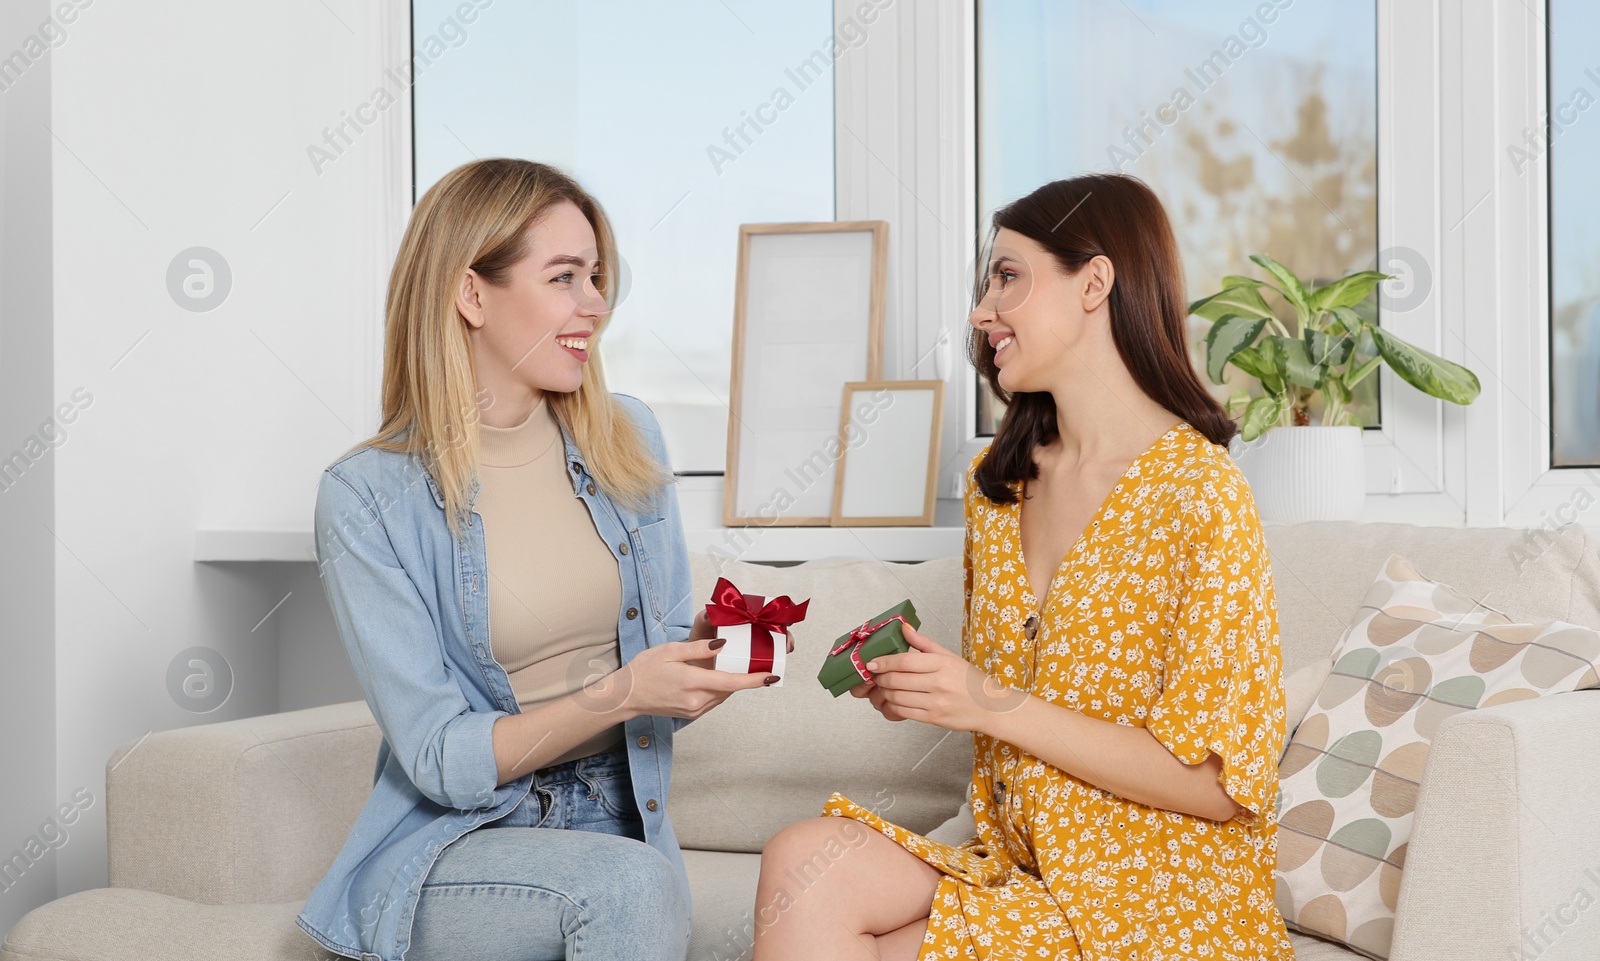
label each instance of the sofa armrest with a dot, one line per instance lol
(1505, 842)
(246, 811)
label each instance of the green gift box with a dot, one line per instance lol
(839, 672)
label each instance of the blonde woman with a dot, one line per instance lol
(506, 564)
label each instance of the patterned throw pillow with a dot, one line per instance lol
(1417, 653)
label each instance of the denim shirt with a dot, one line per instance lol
(412, 607)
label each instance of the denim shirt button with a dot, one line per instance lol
(651, 804)
(623, 547)
(644, 740)
(633, 612)
(590, 488)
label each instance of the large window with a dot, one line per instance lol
(1256, 124)
(1570, 142)
(683, 119)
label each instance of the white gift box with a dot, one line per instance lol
(734, 656)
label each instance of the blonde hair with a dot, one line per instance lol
(478, 215)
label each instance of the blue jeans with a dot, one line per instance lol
(566, 875)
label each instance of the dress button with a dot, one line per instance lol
(651, 805)
(591, 488)
(1030, 627)
(1000, 791)
(623, 547)
(644, 740)
(633, 612)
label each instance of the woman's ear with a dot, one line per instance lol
(1095, 281)
(469, 303)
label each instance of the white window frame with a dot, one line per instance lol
(904, 146)
(1474, 77)
(1531, 491)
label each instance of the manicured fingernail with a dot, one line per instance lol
(718, 642)
(771, 679)
(872, 666)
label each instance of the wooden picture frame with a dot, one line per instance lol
(807, 319)
(881, 445)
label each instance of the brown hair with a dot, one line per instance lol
(1117, 216)
(478, 215)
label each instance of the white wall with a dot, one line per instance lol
(27, 485)
(185, 124)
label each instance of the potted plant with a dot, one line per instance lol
(1297, 471)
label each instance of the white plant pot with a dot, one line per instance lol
(1305, 473)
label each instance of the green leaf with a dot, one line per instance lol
(1235, 280)
(1228, 336)
(1293, 290)
(1348, 321)
(1237, 402)
(1359, 374)
(1328, 349)
(1262, 413)
(1429, 373)
(1337, 386)
(1346, 292)
(1256, 362)
(1367, 310)
(1232, 301)
(1298, 367)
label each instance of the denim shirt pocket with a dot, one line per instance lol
(654, 542)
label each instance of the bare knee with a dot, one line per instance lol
(826, 882)
(807, 870)
(804, 852)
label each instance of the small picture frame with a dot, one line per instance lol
(808, 318)
(888, 454)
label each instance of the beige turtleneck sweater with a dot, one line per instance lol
(554, 589)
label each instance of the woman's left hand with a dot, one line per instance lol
(933, 684)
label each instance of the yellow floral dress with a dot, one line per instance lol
(1161, 616)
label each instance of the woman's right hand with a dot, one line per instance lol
(663, 681)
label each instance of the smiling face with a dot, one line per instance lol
(1043, 321)
(534, 333)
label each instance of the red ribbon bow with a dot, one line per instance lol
(853, 641)
(730, 606)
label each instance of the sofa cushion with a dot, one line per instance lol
(1322, 570)
(724, 893)
(246, 811)
(1416, 654)
(1300, 690)
(115, 924)
(770, 757)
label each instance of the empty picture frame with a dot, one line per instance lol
(889, 453)
(807, 319)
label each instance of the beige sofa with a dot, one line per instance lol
(218, 832)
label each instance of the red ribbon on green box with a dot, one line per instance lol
(884, 633)
(853, 641)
